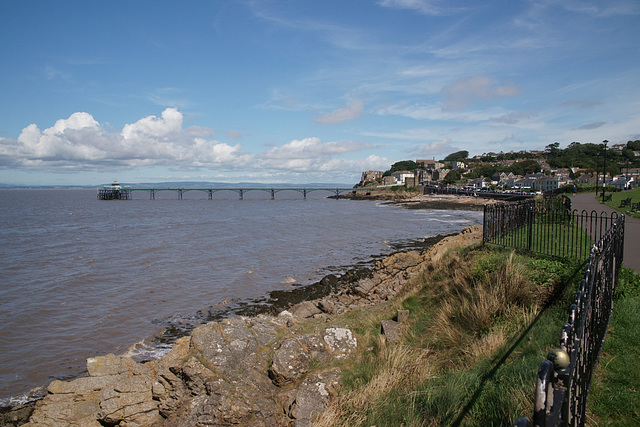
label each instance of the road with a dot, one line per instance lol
(631, 257)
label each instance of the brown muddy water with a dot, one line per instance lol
(81, 277)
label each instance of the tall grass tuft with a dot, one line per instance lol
(457, 362)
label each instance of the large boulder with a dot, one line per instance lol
(117, 391)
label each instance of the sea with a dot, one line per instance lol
(80, 277)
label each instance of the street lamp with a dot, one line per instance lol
(597, 173)
(604, 169)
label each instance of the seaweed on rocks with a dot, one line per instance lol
(278, 300)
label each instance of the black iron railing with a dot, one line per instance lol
(550, 228)
(562, 388)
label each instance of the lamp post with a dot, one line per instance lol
(604, 169)
(597, 173)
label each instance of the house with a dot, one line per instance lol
(430, 164)
(621, 182)
(389, 180)
(549, 183)
(478, 183)
(587, 178)
(522, 183)
(458, 165)
(402, 176)
(371, 176)
(439, 174)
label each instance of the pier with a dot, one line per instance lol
(117, 192)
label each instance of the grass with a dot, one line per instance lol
(615, 390)
(551, 234)
(480, 324)
(619, 196)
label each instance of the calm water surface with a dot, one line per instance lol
(81, 277)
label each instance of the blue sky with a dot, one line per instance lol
(303, 91)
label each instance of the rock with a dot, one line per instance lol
(223, 345)
(304, 310)
(364, 287)
(403, 316)
(136, 407)
(112, 365)
(312, 397)
(117, 391)
(327, 306)
(391, 330)
(290, 363)
(17, 415)
(315, 347)
(264, 329)
(341, 341)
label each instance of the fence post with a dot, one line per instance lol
(530, 212)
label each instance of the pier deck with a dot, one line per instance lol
(125, 193)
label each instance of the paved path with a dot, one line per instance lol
(631, 259)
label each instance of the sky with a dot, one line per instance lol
(303, 91)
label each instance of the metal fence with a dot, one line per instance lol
(549, 228)
(562, 387)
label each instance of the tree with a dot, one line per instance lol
(552, 148)
(634, 145)
(404, 165)
(525, 167)
(458, 156)
(453, 176)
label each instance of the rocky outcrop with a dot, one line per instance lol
(388, 277)
(240, 371)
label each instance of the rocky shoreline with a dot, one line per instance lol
(250, 369)
(429, 201)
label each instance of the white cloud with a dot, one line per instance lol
(319, 160)
(153, 126)
(351, 111)
(432, 149)
(312, 148)
(80, 142)
(465, 92)
(426, 7)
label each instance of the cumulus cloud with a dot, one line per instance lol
(351, 111)
(319, 159)
(465, 92)
(80, 142)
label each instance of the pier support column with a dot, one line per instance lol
(152, 194)
(210, 194)
(304, 194)
(241, 192)
(180, 194)
(273, 194)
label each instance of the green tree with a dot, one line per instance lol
(634, 145)
(403, 165)
(458, 156)
(452, 177)
(524, 167)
